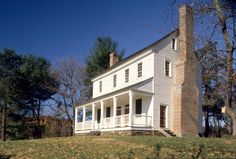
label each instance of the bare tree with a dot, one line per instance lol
(70, 75)
(215, 22)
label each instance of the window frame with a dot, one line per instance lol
(118, 109)
(126, 109)
(174, 44)
(100, 86)
(169, 68)
(114, 80)
(138, 111)
(126, 75)
(108, 115)
(140, 69)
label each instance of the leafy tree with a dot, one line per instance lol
(98, 60)
(9, 84)
(36, 86)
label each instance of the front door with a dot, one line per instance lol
(163, 116)
(98, 115)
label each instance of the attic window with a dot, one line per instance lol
(174, 44)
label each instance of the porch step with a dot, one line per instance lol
(169, 132)
(95, 133)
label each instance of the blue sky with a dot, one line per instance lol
(57, 29)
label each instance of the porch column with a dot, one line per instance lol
(102, 112)
(114, 109)
(130, 108)
(84, 114)
(75, 120)
(93, 115)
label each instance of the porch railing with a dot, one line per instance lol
(120, 121)
(88, 125)
(142, 120)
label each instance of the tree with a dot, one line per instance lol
(98, 60)
(36, 84)
(212, 18)
(213, 73)
(9, 84)
(70, 75)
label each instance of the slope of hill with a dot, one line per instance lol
(119, 147)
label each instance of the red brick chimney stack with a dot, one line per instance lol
(113, 58)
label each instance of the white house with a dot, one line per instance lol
(154, 91)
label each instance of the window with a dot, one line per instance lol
(174, 44)
(138, 107)
(167, 68)
(114, 81)
(140, 69)
(108, 112)
(118, 111)
(126, 75)
(100, 86)
(127, 109)
(79, 115)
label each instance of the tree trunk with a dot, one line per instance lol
(229, 49)
(234, 127)
(207, 127)
(4, 119)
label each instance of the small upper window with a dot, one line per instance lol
(126, 75)
(114, 81)
(100, 86)
(140, 69)
(167, 68)
(174, 44)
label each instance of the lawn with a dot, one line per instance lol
(119, 147)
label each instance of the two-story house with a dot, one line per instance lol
(154, 91)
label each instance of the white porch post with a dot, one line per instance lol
(102, 113)
(114, 109)
(75, 120)
(93, 115)
(130, 108)
(84, 114)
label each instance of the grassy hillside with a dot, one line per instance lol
(119, 147)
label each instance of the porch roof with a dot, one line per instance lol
(131, 87)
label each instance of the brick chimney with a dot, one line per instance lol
(185, 93)
(113, 58)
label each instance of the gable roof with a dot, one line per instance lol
(136, 53)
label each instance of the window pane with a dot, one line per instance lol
(167, 68)
(100, 86)
(118, 111)
(127, 109)
(80, 115)
(114, 81)
(127, 75)
(108, 112)
(88, 115)
(139, 69)
(138, 109)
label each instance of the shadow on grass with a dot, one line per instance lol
(5, 156)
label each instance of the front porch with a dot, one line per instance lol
(125, 111)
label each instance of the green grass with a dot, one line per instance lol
(119, 147)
